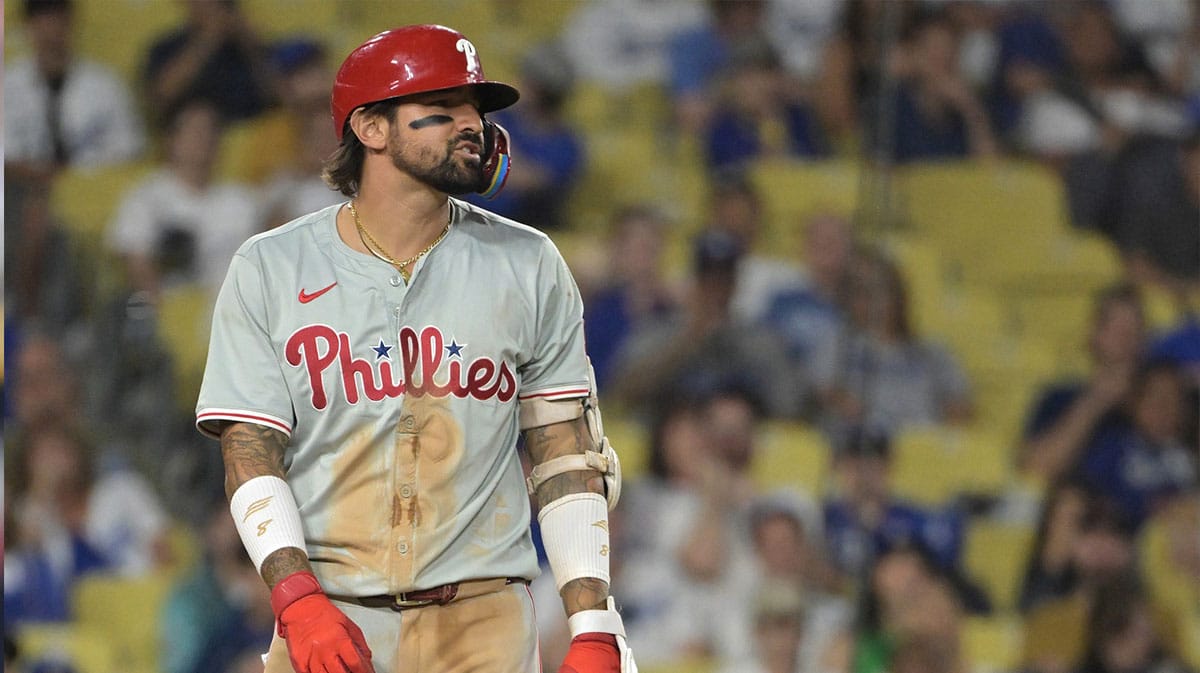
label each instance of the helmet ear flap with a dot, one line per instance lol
(496, 159)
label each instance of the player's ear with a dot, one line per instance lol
(371, 128)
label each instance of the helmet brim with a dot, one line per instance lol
(494, 96)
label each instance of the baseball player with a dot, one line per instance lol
(370, 367)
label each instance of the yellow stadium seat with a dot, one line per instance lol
(631, 440)
(793, 191)
(992, 643)
(86, 650)
(996, 555)
(933, 464)
(86, 200)
(184, 317)
(125, 611)
(792, 454)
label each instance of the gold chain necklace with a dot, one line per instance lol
(377, 250)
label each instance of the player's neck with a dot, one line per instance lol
(402, 222)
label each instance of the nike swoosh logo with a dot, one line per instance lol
(306, 297)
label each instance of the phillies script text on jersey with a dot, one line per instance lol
(317, 347)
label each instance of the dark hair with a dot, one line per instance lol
(668, 413)
(1111, 615)
(343, 169)
(38, 7)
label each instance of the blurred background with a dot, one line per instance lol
(892, 305)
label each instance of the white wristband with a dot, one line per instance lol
(267, 517)
(575, 535)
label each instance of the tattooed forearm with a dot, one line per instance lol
(585, 593)
(282, 563)
(562, 439)
(251, 451)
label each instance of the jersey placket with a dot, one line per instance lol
(404, 474)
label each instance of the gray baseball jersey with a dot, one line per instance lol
(400, 399)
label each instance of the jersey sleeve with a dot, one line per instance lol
(243, 381)
(558, 368)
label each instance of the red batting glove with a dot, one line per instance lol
(320, 638)
(592, 653)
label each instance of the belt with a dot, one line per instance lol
(442, 595)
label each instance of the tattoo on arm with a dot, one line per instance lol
(562, 439)
(251, 451)
(284, 562)
(585, 593)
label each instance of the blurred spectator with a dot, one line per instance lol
(851, 63)
(698, 55)
(790, 558)
(44, 385)
(1170, 558)
(800, 31)
(879, 374)
(755, 116)
(179, 225)
(47, 549)
(215, 55)
(735, 207)
(551, 152)
(634, 293)
(1102, 550)
(298, 189)
(937, 113)
(221, 610)
(45, 289)
(1068, 417)
(1149, 206)
(281, 140)
(1145, 464)
(1181, 345)
(809, 314)
(1123, 636)
(863, 518)
(687, 552)
(113, 508)
(911, 609)
(60, 109)
(620, 44)
(779, 615)
(704, 346)
(1049, 571)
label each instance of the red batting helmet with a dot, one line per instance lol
(409, 60)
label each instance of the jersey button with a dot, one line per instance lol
(408, 422)
(402, 547)
(406, 491)
(395, 281)
(397, 311)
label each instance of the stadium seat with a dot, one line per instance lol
(125, 612)
(934, 464)
(792, 454)
(794, 190)
(992, 643)
(85, 650)
(184, 313)
(629, 439)
(996, 555)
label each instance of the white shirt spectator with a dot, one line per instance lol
(99, 121)
(623, 43)
(125, 521)
(217, 219)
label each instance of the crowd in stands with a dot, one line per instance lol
(716, 348)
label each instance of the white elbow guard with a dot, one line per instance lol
(267, 517)
(537, 412)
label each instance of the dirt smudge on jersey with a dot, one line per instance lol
(431, 465)
(358, 513)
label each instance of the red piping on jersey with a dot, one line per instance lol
(230, 416)
(573, 392)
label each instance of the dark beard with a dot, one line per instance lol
(448, 176)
